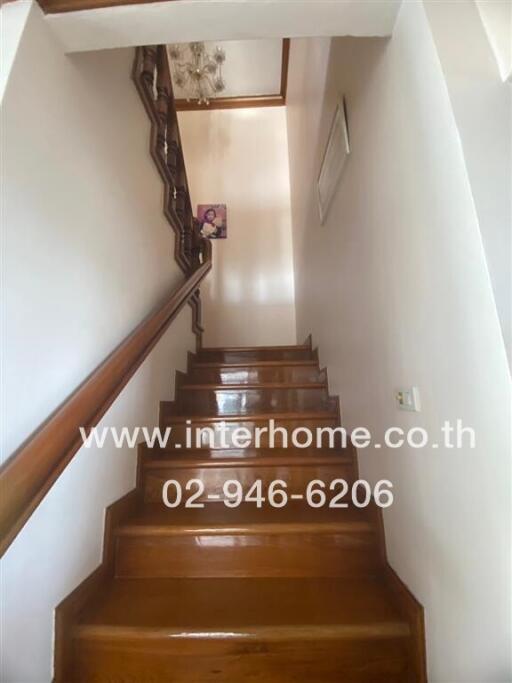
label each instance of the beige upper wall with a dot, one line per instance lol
(239, 157)
(396, 291)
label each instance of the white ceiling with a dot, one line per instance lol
(170, 22)
(252, 67)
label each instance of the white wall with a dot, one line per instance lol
(239, 157)
(62, 542)
(497, 19)
(86, 254)
(406, 299)
(482, 105)
(87, 250)
(13, 19)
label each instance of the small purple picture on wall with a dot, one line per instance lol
(213, 220)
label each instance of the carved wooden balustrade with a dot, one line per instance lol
(152, 76)
(153, 79)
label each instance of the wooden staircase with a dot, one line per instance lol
(247, 593)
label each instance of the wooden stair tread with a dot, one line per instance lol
(278, 376)
(257, 354)
(258, 387)
(246, 457)
(215, 518)
(242, 608)
(251, 349)
(251, 363)
(253, 417)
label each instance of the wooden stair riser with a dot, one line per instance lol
(295, 374)
(208, 439)
(228, 402)
(256, 354)
(315, 553)
(296, 477)
(314, 659)
(291, 455)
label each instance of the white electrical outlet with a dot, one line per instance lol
(408, 398)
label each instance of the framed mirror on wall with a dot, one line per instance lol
(335, 157)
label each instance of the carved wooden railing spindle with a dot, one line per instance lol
(172, 143)
(162, 104)
(197, 239)
(181, 198)
(189, 227)
(148, 65)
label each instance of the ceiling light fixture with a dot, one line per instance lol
(197, 72)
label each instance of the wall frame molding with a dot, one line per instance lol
(55, 6)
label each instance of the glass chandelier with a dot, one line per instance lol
(198, 72)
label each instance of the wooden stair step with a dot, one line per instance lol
(247, 518)
(189, 606)
(256, 353)
(232, 629)
(306, 372)
(216, 541)
(202, 364)
(267, 347)
(214, 468)
(288, 421)
(257, 417)
(256, 387)
(248, 400)
(278, 456)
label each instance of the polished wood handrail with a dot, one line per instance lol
(30, 472)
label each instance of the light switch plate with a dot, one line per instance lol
(408, 398)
